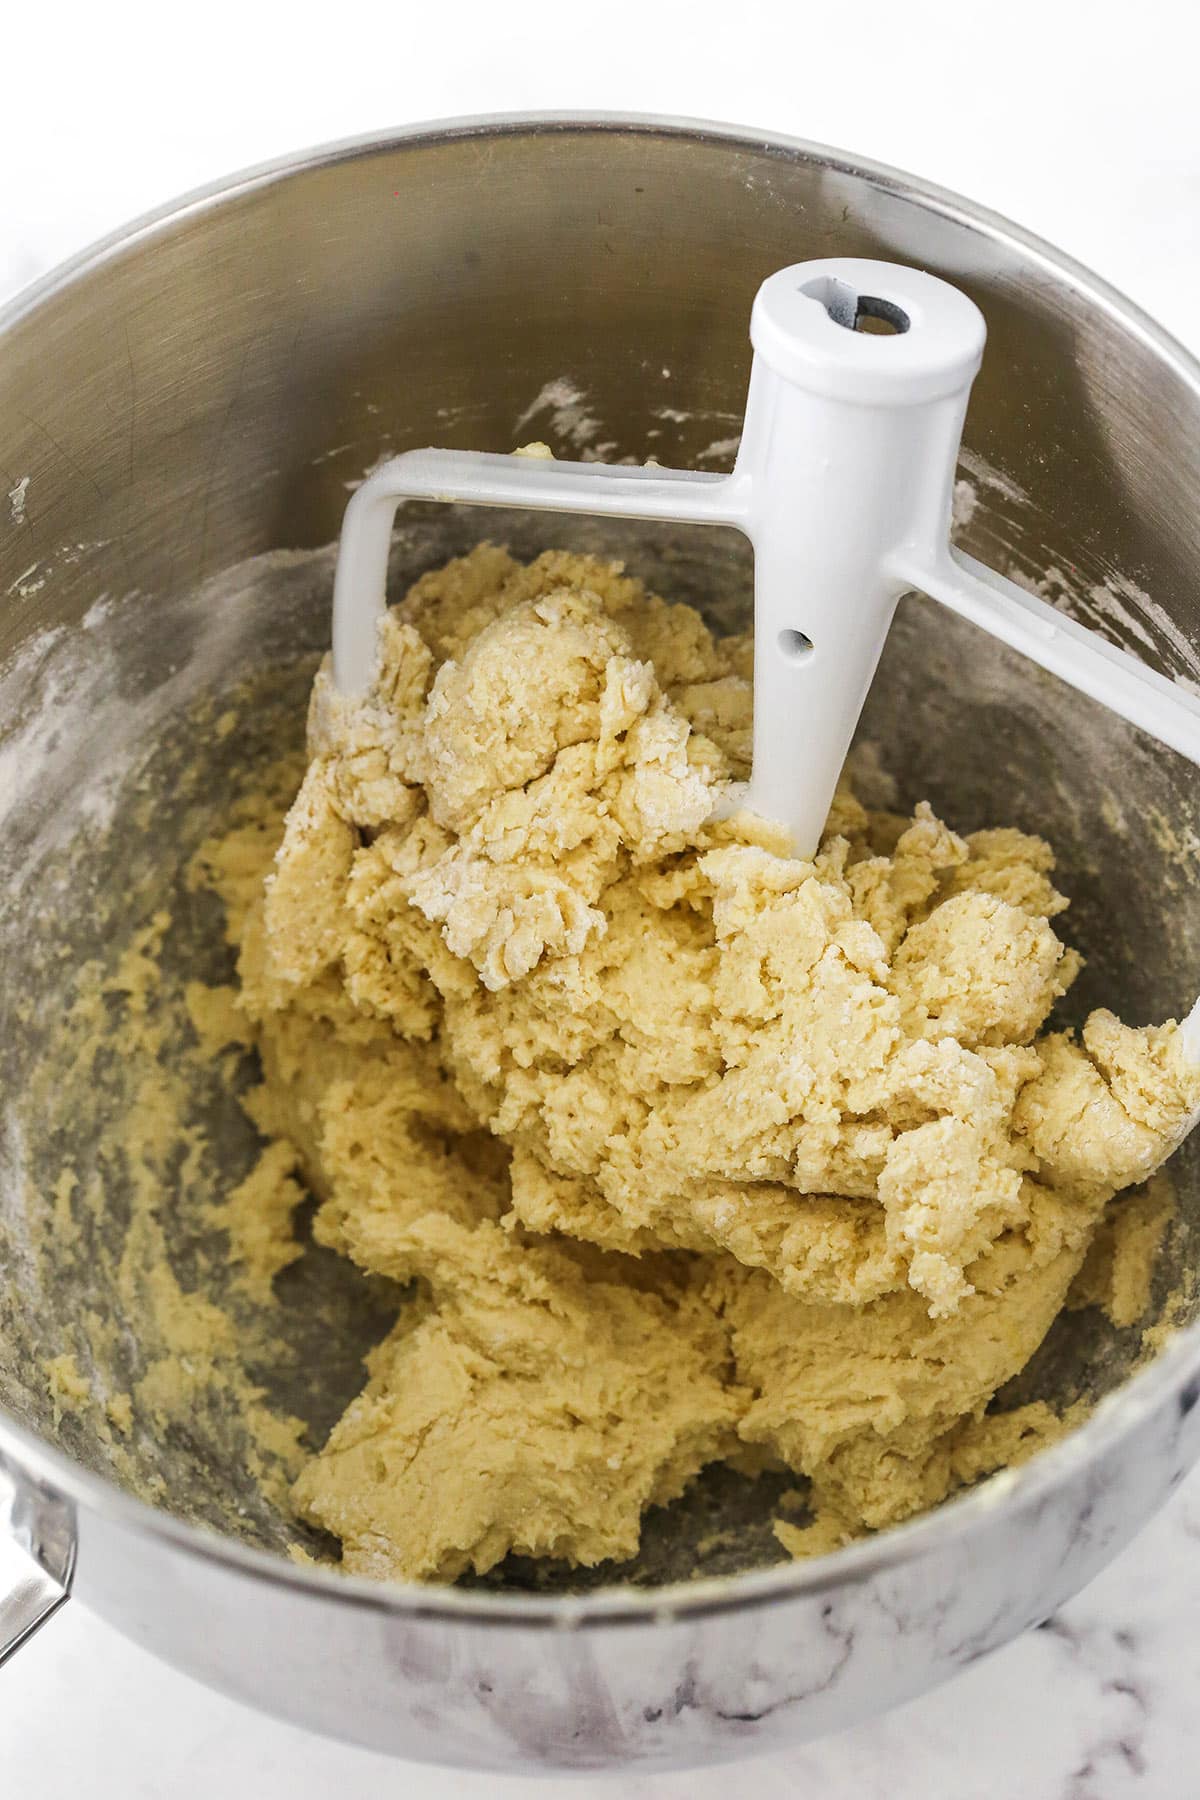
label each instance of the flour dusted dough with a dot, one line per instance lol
(695, 1150)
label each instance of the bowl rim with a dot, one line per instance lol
(1173, 1371)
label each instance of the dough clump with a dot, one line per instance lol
(694, 1150)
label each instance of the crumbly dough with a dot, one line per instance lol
(696, 1150)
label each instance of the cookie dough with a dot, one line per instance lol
(694, 1150)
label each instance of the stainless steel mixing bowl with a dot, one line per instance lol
(200, 390)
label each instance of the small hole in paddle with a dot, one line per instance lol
(795, 646)
(867, 313)
(879, 317)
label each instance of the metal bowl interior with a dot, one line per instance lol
(190, 403)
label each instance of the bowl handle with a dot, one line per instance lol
(37, 1557)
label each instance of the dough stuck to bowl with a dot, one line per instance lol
(695, 1153)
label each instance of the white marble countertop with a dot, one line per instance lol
(1079, 122)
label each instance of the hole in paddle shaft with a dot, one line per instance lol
(880, 317)
(855, 311)
(795, 646)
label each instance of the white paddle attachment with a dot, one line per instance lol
(843, 484)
